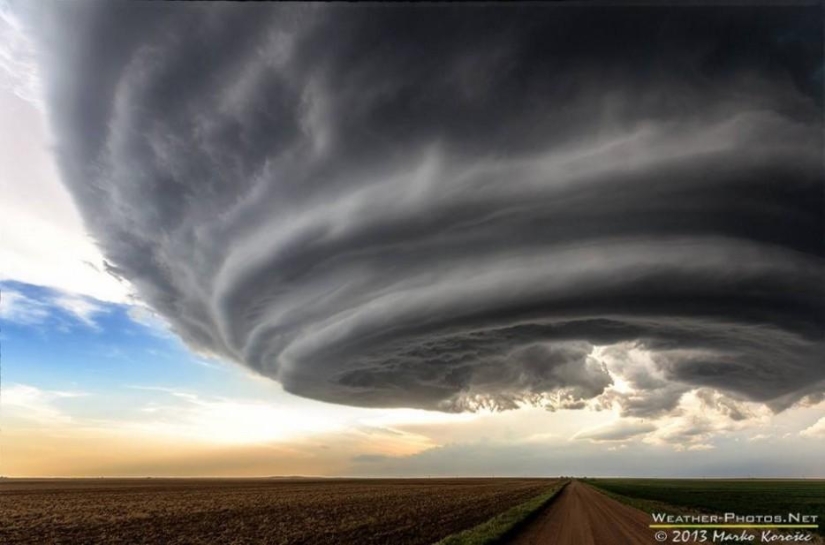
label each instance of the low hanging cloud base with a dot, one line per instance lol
(453, 208)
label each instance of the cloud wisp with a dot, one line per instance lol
(448, 208)
(35, 306)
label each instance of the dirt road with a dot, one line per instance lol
(583, 516)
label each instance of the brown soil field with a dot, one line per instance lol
(235, 511)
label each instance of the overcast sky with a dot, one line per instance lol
(547, 239)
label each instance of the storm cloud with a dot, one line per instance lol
(452, 207)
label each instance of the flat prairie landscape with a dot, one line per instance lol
(582, 514)
(741, 496)
(192, 511)
(372, 511)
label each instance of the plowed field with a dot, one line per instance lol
(170, 511)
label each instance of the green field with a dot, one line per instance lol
(741, 496)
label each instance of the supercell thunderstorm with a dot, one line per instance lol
(448, 209)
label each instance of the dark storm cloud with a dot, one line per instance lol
(451, 207)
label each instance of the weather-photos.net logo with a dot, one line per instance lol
(735, 528)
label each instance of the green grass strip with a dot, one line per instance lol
(501, 525)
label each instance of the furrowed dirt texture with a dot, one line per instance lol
(194, 511)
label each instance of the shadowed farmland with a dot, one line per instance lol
(398, 511)
(741, 496)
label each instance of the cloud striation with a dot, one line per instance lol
(452, 207)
